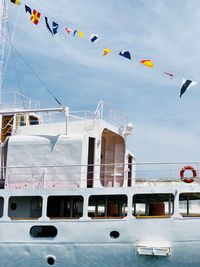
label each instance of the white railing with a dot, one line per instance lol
(15, 100)
(113, 175)
(107, 113)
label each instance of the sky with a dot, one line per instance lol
(165, 127)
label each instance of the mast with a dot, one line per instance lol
(3, 17)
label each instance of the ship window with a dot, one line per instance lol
(112, 206)
(33, 120)
(1, 206)
(189, 204)
(22, 120)
(153, 205)
(51, 260)
(43, 231)
(28, 207)
(114, 234)
(65, 207)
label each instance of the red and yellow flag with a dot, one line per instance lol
(147, 62)
(35, 17)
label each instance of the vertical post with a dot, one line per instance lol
(170, 205)
(15, 100)
(135, 209)
(102, 107)
(106, 206)
(188, 207)
(66, 110)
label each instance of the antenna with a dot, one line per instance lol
(3, 17)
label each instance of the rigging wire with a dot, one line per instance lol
(13, 54)
(32, 70)
(15, 65)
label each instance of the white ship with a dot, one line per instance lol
(72, 194)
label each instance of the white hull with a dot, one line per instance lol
(86, 242)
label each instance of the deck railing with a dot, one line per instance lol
(113, 175)
(113, 116)
(15, 100)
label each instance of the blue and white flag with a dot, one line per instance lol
(54, 29)
(94, 38)
(187, 84)
(28, 9)
(125, 54)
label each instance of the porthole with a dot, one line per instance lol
(114, 234)
(13, 206)
(51, 260)
(44, 231)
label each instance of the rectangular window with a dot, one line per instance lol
(189, 204)
(65, 207)
(112, 206)
(153, 205)
(28, 207)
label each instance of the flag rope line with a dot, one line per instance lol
(36, 16)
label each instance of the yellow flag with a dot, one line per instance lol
(17, 2)
(148, 63)
(81, 34)
(106, 51)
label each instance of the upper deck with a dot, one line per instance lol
(45, 144)
(58, 148)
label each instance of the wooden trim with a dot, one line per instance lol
(152, 217)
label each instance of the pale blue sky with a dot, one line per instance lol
(166, 128)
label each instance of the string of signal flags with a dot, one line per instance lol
(53, 28)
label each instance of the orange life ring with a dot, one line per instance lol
(186, 179)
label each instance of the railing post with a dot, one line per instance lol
(102, 107)
(66, 110)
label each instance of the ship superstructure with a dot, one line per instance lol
(73, 195)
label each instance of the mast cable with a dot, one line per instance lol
(31, 69)
(8, 56)
(15, 65)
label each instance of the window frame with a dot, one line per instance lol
(189, 215)
(31, 204)
(171, 206)
(64, 217)
(106, 201)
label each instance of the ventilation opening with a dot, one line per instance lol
(44, 231)
(114, 234)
